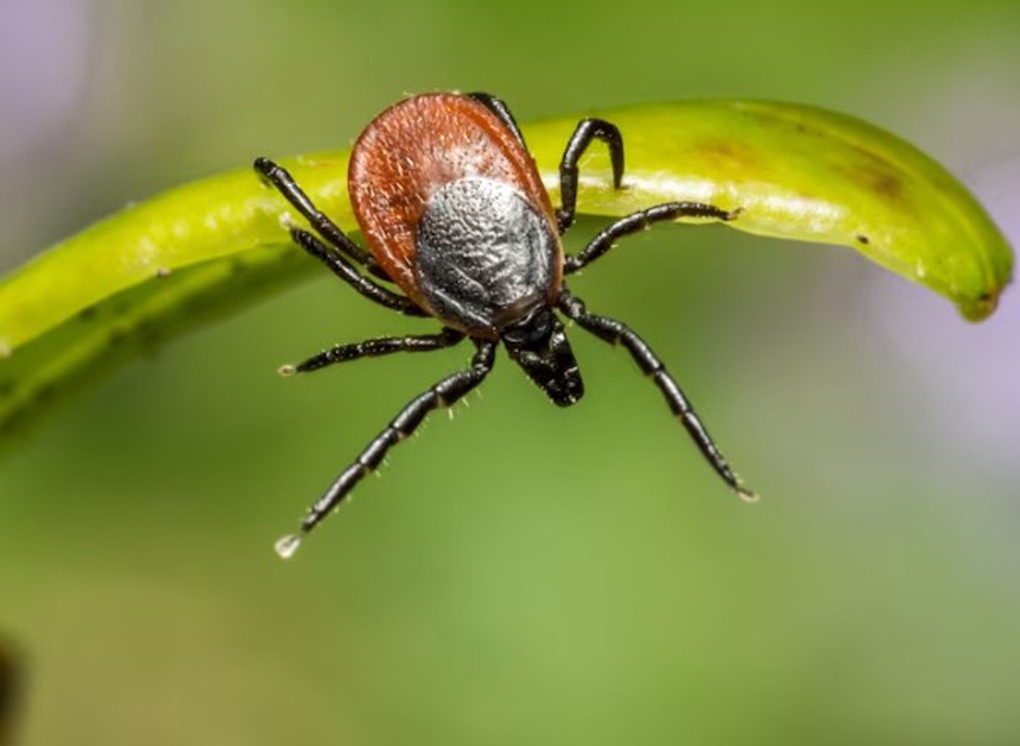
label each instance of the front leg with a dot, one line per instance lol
(442, 395)
(616, 332)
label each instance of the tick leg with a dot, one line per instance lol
(616, 332)
(586, 131)
(284, 183)
(637, 221)
(442, 395)
(346, 272)
(375, 348)
(498, 107)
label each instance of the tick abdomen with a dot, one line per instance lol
(484, 254)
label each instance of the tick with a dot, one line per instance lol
(455, 215)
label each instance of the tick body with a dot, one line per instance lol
(456, 217)
(454, 211)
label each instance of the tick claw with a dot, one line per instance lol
(747, 495)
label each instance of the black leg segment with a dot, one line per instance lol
(498, 107)
(616, 332)
(442, 395)
(346, 272)
(376, 348)
(284, 183)
(586, 131)
(638, 221)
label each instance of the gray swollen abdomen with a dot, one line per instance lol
(485, 254)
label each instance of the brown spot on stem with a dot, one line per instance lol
(883, 183)
(728, 156)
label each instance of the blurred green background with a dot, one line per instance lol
(523, 575)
